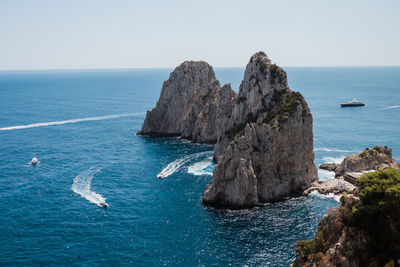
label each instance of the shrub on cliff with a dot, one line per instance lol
(378, 213)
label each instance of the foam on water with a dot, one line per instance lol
(324, 175)
(204, 167)
(82, 186)
(336, 160)
(392, 107)
(330, 195)
(174, 166)
(333, 150)
(52, 123)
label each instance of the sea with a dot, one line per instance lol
(82, 124)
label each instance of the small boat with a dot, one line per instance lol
(353, 103)
(34, 160)
(103, 204)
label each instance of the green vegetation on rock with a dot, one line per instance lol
(287, 108)
(369, 220)
(378, 212)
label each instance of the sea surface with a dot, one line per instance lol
(81, 125)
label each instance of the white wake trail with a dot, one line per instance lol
(204, 167)
(52, 123)
(392, 107)
(176, 164)
(82, 186)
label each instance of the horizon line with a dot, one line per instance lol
(149, 68)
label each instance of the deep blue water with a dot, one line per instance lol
(49, 213)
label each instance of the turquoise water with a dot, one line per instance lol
(50, 213)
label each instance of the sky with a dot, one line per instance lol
(81, 34)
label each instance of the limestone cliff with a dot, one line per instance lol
(187, 105)
(363, 231)
(264, 148)
(263, 134)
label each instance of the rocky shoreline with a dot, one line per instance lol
(353, 167)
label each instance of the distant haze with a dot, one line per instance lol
(53, 34)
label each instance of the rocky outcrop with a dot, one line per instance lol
(335, 244)
(263, 134)
(329, 166)
(353, 167)
(187, 105)
(363, 231)
(264, 148)
(336, 186)
(376, 158)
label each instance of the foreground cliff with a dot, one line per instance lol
(264, 147)
(363, 231)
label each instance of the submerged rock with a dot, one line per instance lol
(264, 151)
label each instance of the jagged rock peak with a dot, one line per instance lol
(186, 105)
(265, 149)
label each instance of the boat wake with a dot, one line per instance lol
(392, 107)
(82, 186)
(52, 123)
(204, 167)
(174, 166)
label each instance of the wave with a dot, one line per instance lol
(52, 123)
(82, 186)
(337, 160)
(329, 195)
(174, 166)
(204, 167)
(392, 107)
(327, 149)
(324, 175)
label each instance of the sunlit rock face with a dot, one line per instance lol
(264, 148)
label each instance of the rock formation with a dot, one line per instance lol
(264, 148)
(363, 231)
(263, 134)
(337, 186)
(376, 158)
(187, 105)
(353, 167)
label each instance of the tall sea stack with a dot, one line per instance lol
(263, 134)
(265, 149)
(187, 105)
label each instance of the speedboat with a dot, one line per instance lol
(353, 103)
(103, 204)
(34, 160)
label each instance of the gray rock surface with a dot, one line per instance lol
(263, 134)
(376, 158)
(337, 186)
(265, 147)
(187, 104)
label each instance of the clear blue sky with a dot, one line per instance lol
(53, 34)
